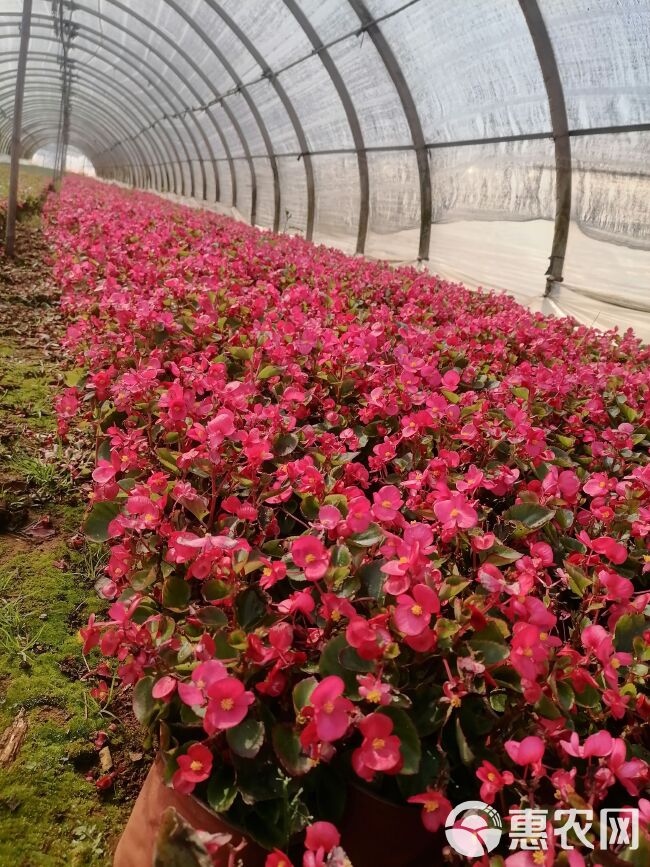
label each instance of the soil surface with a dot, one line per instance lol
(70, 765)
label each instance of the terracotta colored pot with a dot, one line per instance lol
(138, 840)
(374, 832)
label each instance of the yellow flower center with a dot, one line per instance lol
(454, 512)
(543, 636)
(491, 777)
(528, 651)
(196, 766)
(386, 504)
(403, 559)
(416, 609)
(266, 571)
(227, 704)
(374, 695)
(616, 663)
(310, 558)
(336, 615)
(378, 744)
(148, 516)
(430, 806)
(538, 857)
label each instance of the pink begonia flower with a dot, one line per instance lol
(321, 838)
(530, 751)
(272, 573)
(596, 485)
(380, 748)
(311, 555)
(276, 858)
(387, 502)
(599, 744)
(193, 767)
(331, 710)
(493, 781)
(373, 690)
(164, 688)
(299, 602)
(455, 512)
(435, 808)
(335, 607)
(611, 549)
(633, 775)
(329, 517)
(104, 472)
(413, 612)
(484, 542)
(203, 676)
(220, 427)
(228, 703)
(359, 515)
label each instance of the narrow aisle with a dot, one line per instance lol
(51, 812)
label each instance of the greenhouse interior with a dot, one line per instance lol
(324, 433)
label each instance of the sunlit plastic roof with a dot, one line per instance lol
(494, 139)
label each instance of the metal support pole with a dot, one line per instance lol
(12, 202)
(561, 136)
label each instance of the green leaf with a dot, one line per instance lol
(629, 627)
(530, 515)
(565, 694)
(168, 460)
(176, 593)
(372, 536)
(491, 651)
(373, 578)
(243, 353)
(330, 663)
(640, 855)
(74, 376)
(144, 706)
(578, 581)
(246, 739)
(466, 754)
(288, 749)
(101, 515)
(498, 700)
(250, 606)
(302, 693)
(215, 590)
(405, 730)
(213, 618)
(351, 660)
(589, 697)
(502, 555)
(268, 371)
(285, 444)
(222, 789)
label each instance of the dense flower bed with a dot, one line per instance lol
(364, 524)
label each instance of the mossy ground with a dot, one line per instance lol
(50, 815)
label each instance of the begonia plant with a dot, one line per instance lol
(366, 527)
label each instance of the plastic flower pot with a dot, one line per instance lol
(373, 831)
(376, 832)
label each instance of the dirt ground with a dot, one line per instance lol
(56, 740)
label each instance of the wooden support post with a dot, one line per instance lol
(12, 202)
